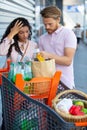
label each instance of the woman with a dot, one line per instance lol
(16, 42)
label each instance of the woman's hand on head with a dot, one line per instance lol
(18, 25)
(16, 28)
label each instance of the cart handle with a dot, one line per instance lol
(2, 70)
(7, 68)
(81, 124)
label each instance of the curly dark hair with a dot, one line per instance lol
(15, 44)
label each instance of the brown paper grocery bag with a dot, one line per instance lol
(45, 68)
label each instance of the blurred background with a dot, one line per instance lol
(73, 12)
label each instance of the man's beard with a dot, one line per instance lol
(50, 31)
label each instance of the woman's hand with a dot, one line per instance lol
(18, 25)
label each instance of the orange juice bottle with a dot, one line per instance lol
(39, 57)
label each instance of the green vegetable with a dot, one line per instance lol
(84, 110)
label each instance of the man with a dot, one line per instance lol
(58, 43)
(78, 32)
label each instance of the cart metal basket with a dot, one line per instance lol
(25, 113)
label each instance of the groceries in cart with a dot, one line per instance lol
(26, 122)
(37, 67)
(64, 105)
(73, 107)
(20, 68)
(37, 56)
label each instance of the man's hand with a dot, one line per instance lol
(65, 60)
(45, 55)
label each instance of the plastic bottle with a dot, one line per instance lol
(11, 72)
(35, 53)
(28, 71)
(37, 56)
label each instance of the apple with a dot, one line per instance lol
(79, 103)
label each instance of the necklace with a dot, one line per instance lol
(24, 52)
(22, 47)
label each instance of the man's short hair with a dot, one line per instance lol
(51, 12)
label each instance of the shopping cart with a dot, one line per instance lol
(5, 70)
(29, 114)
